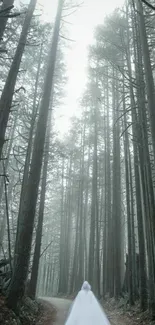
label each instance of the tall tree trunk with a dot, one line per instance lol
(8, 91)
(3, 20)
(144, 162)
(148, 71)
(3, 222)
(17, 286)
(81, 214)
(116, 193)
(61, 254)
(37, 251)
(129, 229)
(30, 146)
(94, 242)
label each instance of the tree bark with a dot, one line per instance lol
(148, 71)
(17, 285)
(3, 20)
(8, 90)
(37, 251)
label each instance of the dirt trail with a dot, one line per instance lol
(62, 307)
(115, 316)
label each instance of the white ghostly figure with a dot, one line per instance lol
(86, 310)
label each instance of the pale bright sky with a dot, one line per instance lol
(81, 27)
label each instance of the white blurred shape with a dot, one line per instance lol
(86, 310)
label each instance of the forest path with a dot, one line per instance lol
(62, 307)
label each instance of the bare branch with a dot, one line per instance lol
(67, 39)
(46, 248)
(6, 9)
(148, 4)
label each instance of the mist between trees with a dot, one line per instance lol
(81, 207)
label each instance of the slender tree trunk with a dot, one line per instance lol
(61, 256)
(37, 251)
(94, 241)
(86, 215)
(81, 214)
(105, 219)
(116, 195)
(3, 222)
(129, 229)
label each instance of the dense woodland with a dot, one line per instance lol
(82, 206)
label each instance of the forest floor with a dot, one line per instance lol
(118, 313)
(61, 307)
(31, 313)
(53, 311)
